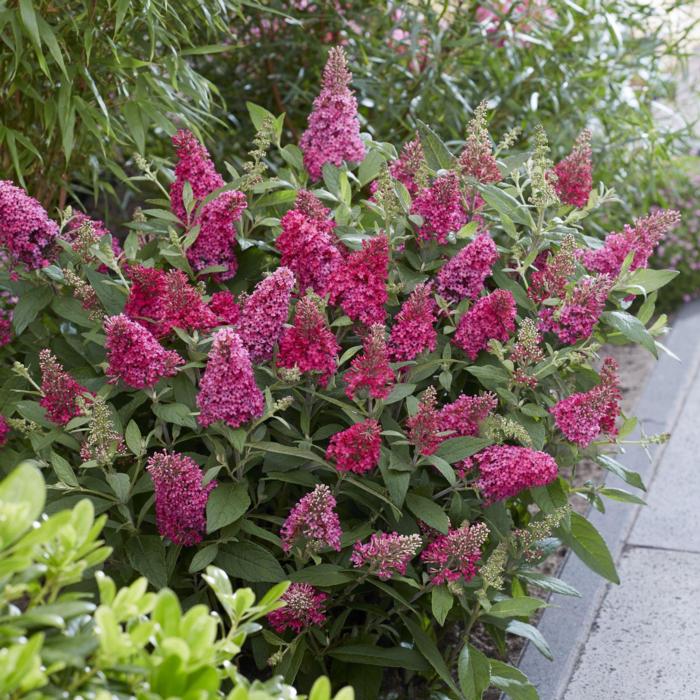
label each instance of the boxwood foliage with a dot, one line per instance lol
(413, 630)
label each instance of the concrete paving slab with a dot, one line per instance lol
(672, 518)
(645, 642)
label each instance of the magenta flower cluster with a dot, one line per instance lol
(454, 556)
(304, 606)
(370, 371)
(440, 206)
(356, 449)
(386, 554)
(573, 176)
(463, 276)
(584, 416)
(181, 498)
(491, 318)
(414, 328)
(60, 392)
(27, 234)
(312, 524)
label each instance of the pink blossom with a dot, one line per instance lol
(195, 166)
(579, 311)
(440, 205)
(135, 356)
(312, 524)
(506, 470)
(407, 166)
(224, 307)
(491, 318)
(553, 271)
(574, 174)
(424, 427)
(304, 608)
(640, 239)
(414, 330)
(161, 301)
(309, 344)
(370, 370)
(463, 276)
(356, 449)
(60, 391)
(215, 243)
(26, 232)
(584, 416)
(454, 556)
(4, 430)
(181, 498)
(7, 303)
(359, 284)
(308, 244)
(477, 159)
(227, 389)
(264, 314)
(462, 417)
(333, 134)
(386, 554)
(99, 230)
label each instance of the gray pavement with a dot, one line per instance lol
(640, 640)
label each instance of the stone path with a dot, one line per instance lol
(640, 640)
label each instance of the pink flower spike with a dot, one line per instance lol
(309, 344)
(407, 166)
(26, 232)
(135, 356)
(308, 245)
(414, 330)
(574, 174)
(359, 283)
(181, 499)
(584, 416)
(60, 391)
(640, 239)
(312, 524)
(356, 449)
(4, 430)
(454, 556)
(333, 134)
(304, 607)
(386, 554)
(227, 389)
(424, 427)
(224, 307)
(506, 470)
(264, 314)
(440, 205)
(370, 370)
(491, 318)
(463, 276)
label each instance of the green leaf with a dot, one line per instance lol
(522, 629)
(133, 438)
(511, 681)
(474, 672)
(506, 205)
(523, 606)
(24, 488)
(227, 503)
(111, 296)
(631, 328)
(322, 575)
(437, 155)
(370, 167)
(612, 465)
(430, 651)
(372, 655)
(121, 485)
(399, 392)
(63, 470)
(548, 583)
(250, 562)
(441, 601)
(176, 413)
(590, 547)
(147, 555)
(622, 495)
(428, 511)
(29, 305)
(459, 448)
(645, 281)
(203, 558)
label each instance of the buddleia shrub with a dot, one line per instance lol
(58, 640)
(373, 373)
